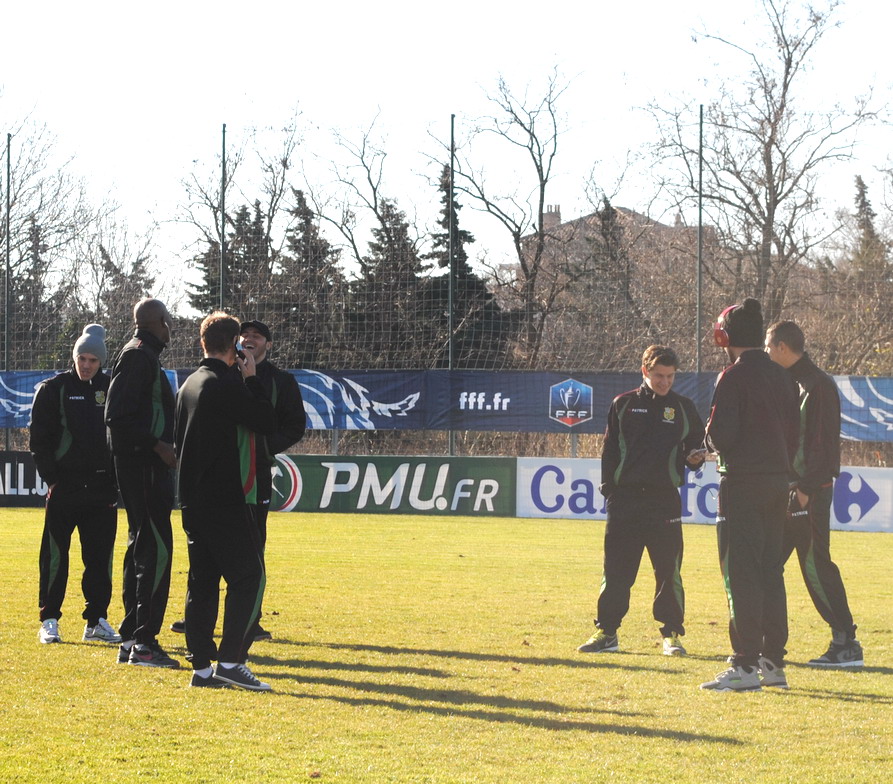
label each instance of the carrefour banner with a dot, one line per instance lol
(863, 497)
(539, 402)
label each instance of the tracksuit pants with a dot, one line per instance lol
(223, 543)
(642, 519)
(261, 510)
(750, 533)
(96, 526)
(147, 490)
(808, 531)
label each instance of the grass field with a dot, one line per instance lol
(422, 649)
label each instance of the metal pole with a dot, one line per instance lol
(8, 271)
(222, 213)
(451, 275)
(700, 237)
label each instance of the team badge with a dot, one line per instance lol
(570, 402)
(669, 414)
(100, 397)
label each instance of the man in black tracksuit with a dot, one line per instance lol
(291, 422)
(68, 442)
(808, 528)
(652, 434)
(217, 417)
(753, 428)
(139, 414)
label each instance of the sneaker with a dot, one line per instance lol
(600, 642)
(772, 676)
(240, 676)
(735, 679)
(124, 651)
(151, 655)
(102, 632)
(210, 682)
(673, 646)
(49, 631)
(844, 651)
(179, 627)
(261, 634)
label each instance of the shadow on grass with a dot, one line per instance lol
(528, 721)
(593, 660)
(318, 664)
(452, 697)
(840, 696)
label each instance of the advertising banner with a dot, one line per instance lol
(395, 485)
(21, 484)
(863, 497)
(500, 401)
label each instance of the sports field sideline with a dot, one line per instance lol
(423, 649)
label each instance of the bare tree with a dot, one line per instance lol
(49, 216)
(763, 154)
(532, 283)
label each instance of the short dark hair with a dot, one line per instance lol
(659, 355)
(218, 332)
(789, 333)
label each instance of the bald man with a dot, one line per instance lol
(139, 414)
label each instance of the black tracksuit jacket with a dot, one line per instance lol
(140, 408)
(217, 415)
(817, 461)
(753, 423)
(283, 391)
(68, 438)
(648, 438)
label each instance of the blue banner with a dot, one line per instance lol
(537, 402)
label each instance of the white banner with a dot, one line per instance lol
(567, 487)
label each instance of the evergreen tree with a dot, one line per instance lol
(871, 255)
(309, 283)
(387, 318)
(248, 267)
(480, 332)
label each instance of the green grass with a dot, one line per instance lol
(422, 649)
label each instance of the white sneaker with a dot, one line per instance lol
(102, 632)
(49, 631)
(771, 675)
(735, 679)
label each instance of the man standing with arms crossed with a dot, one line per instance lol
(753, 428)
(218, 414)
(808, 528)
(139, 414)
(652, 434)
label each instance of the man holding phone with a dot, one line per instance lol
(218, 416)
(653, 433)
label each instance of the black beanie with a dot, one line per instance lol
(744, 324)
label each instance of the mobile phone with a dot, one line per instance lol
(240, 353)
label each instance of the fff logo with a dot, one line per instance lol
(570, 402)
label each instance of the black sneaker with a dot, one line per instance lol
(151, 655)
(261, 634)
(179, 627)
(240, 676)
(844, 651)
(207, 683)
(124, 652)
